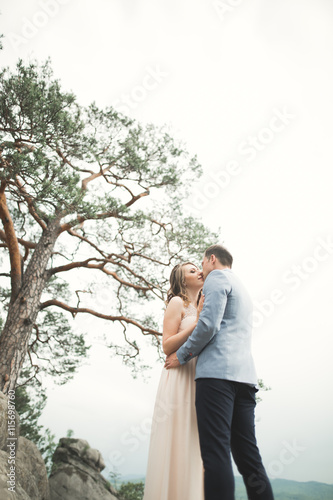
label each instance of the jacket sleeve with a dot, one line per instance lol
(216, 290)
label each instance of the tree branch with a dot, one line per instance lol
(83, 238)
(80, 219)
(30, 203)
(12, 243)
(101, 267)
(94, 176)
(63, 157)
(75, 310)
(136, 198)
(27, 244)
(3, 238)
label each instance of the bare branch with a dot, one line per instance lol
(77, 293)
(132, 344)
(110, 258)
(83, 238)
(104, 215)
(35, 367)
(37, 339)
(101, 266)
(151, 259)
(76, 310)
(136, 198)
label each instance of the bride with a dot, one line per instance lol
(175, 470)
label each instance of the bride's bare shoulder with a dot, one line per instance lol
(176, 300)
(176, 304)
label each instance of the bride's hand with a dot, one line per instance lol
(200, 305)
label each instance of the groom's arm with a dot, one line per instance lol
(216, 290)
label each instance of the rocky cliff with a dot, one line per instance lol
(76, 473)
(23, 476)
(23, 473)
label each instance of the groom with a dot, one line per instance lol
(225, 382)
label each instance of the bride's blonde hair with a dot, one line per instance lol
(177, 283)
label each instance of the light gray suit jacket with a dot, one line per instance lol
(222, 337)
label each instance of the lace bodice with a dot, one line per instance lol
(190, 311)
(189, 317)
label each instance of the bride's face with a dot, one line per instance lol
(193, 276)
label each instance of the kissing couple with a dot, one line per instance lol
(205, 402)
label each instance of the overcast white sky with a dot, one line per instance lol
(248, 86)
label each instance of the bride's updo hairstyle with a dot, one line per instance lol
(177, 283)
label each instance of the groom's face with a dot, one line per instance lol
(207, 266)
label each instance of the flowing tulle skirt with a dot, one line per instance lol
(175, 470)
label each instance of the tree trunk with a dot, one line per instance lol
(23, 311)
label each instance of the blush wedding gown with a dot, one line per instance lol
(175, 469)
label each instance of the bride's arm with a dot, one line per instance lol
(172, 318)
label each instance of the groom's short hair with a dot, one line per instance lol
(221, 253)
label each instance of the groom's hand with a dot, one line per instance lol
(171, 361)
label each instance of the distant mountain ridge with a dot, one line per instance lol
(293, 490)
(284, 489)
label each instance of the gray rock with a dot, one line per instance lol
(31, 470)
(29, 477)
(5, 494)
(76, 473)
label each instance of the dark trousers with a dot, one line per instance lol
(225, 413)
